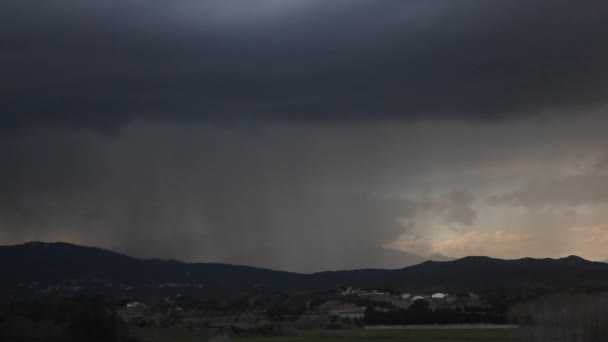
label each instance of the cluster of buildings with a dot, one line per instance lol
(358, 292)
(385, 296)
(375, 294)
(405, 300)
(348, 307)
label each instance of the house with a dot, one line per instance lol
(406, 296)
(440, 296)
(418, 298)
(135, 305)
(134, 312)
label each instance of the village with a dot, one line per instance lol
(344, 308)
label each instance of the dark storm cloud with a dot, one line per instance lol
(102, 63)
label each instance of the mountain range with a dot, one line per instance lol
(52, 263)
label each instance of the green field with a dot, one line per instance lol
(489, 335)
(460, 335)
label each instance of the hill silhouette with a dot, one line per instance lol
(48, 263)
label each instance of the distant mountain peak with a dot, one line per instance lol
(476, 258)
(574, 258)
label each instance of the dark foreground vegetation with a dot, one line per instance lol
(558, 317)
(420, 313)
(78, 319)
(563, 318)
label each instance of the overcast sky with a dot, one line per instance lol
(311, 133)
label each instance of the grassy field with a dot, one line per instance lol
(394, 336)
(490, 335)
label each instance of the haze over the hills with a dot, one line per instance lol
(306, 135)
(315, 261)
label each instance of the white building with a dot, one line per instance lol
(439, 296)
(135, 305)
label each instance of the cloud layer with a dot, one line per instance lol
(105, 63)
